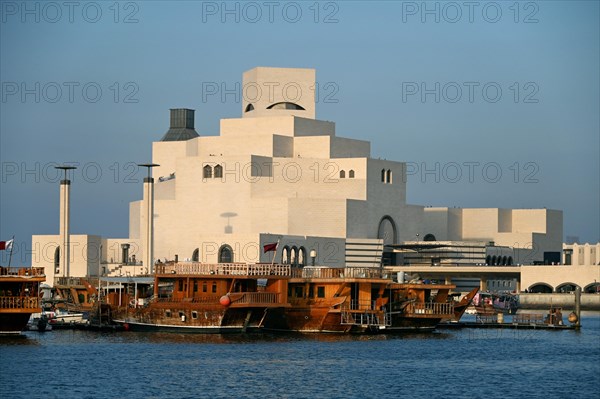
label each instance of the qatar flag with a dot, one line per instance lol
(6, 245)
(269, 247)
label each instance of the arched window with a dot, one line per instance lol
(207, 174)
(542, 288)
(285, 105)
(294, 256)
(302, 257)
(566, 287)
(57, 260)
(388, 176)
(342, 174)
(504, 260)
(387, 231)
(249, 108)
(494, 260)
(509, 261)
(285, 255)
(225, 254)
(429, 237)
(351, 174)
(383, 175)
(218, 172)
(488, 260)
(593, 288)
(196, 255)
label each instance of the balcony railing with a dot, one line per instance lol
(22, 271)
(17, 302)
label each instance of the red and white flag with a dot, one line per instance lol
(270, 247)
(6, 245)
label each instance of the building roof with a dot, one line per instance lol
(179, 134)
(182, 125)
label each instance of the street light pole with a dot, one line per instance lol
(148, 215)
(65, 211)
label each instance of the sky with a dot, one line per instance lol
(491, 104)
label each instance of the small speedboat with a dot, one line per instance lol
(63, 317)
(38, 322)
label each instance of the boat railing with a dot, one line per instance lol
(250, 298)
(22, 271)
(241, 269)
(365, 317)
(203, 299)
(486, 318)
(238, 298)
(267, 269)
(359, 305)
(528, 318)
(364, 313)
(18, 302)
(337, 272)
(74, 281)
(431, 308)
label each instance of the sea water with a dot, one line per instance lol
(473, 363)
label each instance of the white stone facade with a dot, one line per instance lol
(535, 234)
(279, 174)
(581, 254)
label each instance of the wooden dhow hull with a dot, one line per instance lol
(203, 319)
(217, 298)
(19, 287)
(13, 323)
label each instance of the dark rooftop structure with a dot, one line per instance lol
(182, 125)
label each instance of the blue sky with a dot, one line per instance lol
(491, 106)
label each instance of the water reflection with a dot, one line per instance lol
(590, 323)
(62, 337)
(156, 365)
(8, 340)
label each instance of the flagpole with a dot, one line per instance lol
(275, 253)
(12, 245)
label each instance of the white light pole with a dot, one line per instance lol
(148, 215)
(65, 211)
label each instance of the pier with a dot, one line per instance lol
(523, 322)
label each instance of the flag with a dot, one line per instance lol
(6, 245)
(270, 247)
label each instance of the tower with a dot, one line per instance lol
(279, 91)
(64, 229)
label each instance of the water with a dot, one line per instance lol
(450, 363)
